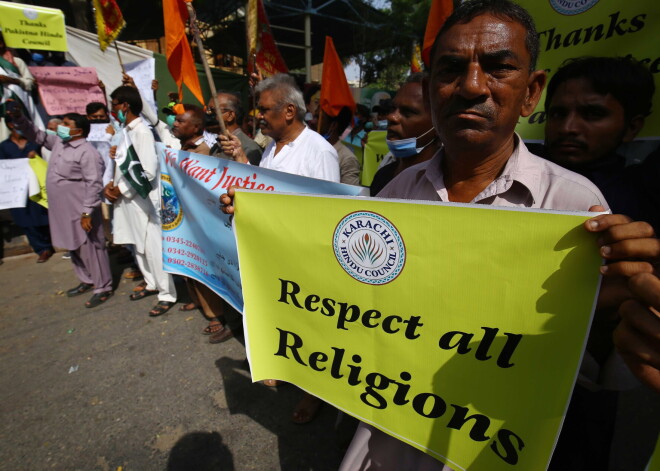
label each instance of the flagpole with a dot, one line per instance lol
(207, 69)
(254, 97)
(123, 71)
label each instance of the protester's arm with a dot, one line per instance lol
(26, 80)
(91, 167)
(166, 136)
(31, 132)
(637, 337)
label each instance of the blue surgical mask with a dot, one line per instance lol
(404, 148)
(170, 120)
(368, 125)
(18, 131)
(64, 133)
(51, 132)
(38, 58)
(121, 116)
(382, 124)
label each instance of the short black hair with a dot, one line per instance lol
(130, 95)
(81, 122)
(95, 106)
(503, 9)
(198, 116)
(627, 80)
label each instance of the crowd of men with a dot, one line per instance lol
(451, 133)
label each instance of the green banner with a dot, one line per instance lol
(32, 27)
(458, 329)
(374, 151)
(574, 28)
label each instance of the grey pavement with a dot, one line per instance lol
(112, 389)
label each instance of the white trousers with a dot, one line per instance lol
(151, 263)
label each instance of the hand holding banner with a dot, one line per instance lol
(457, 329)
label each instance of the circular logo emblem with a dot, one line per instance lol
(572, 7)
(30, 14)
(369, 248)
(171, 213)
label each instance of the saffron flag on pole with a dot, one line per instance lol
(180, 61)
(261, 43)
(109, 21)
(440, 10)
(129, 163)
(335, 92)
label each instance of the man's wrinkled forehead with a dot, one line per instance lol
(489, 36)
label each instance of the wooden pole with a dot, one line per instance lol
(207, 69)
(253, 58)
(123, 71)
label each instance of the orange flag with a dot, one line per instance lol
(440, 11)
(179, 57)
(261, 43)
(109, 21)
(335, 92)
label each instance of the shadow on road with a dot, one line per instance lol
(200, 451)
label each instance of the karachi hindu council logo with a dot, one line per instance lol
(30, 13)
(369, 248)
(572, 7)
(171, 213)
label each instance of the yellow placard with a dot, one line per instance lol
(574, 28)
(374, 151)
(40, 168)
(457, 329)
(32, 27)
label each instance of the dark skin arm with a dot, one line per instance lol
(637, 337)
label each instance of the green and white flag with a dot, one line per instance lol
(11, 92)
(129, 163)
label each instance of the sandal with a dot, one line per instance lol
(142, 294)
(80, 289)
(212, 328)
(140, 287)
(189, 307)
(306, 410)
(161, 308)
(98, 298)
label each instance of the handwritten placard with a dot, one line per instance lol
(143, 73)
(67, 89)
(13, 183)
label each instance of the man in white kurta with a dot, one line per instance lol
(137, 219)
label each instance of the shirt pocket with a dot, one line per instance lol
(69, 169)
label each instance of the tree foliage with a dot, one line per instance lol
(388, 66)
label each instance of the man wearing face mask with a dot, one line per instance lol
(410, 135)
(74, 186)
(136, 218)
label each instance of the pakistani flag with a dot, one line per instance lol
(129, 163)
